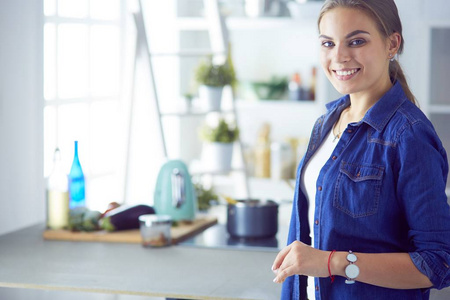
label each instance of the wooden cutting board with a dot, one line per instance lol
(181, 232)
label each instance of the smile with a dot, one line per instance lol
(346, 74)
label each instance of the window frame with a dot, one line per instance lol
(56, 102)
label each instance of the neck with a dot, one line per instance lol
(361, 102)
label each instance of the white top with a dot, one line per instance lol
(308, 181)
(311, 173)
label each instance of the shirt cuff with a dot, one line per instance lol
(424, 264)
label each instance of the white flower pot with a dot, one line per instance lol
(210, 97)
(216, 157)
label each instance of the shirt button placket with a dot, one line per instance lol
(319, 188)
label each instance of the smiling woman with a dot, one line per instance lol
(381, 222)
(354, 55)
(389, 27)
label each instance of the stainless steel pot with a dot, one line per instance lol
(252, 219)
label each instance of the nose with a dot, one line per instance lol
(342, 53)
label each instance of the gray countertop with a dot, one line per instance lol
(27, 261)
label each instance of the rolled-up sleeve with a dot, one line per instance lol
(426, 263)
(422, 177)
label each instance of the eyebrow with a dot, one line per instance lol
(353, 33)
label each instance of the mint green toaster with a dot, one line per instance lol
(174, 192)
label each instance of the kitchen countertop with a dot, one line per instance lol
(27, 261)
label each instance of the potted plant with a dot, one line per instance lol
(211, 79)
(217, 150)
(188, 101)
(205, 196)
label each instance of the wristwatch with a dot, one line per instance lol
(352, 270)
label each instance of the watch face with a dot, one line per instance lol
(352, 271)
(351, 257)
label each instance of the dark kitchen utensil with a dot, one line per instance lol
(252, 218)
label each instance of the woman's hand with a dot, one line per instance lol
(299, 258)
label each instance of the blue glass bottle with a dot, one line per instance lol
(76, 182)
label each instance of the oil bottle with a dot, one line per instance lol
(57, 195)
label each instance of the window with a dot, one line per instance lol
(83, 91)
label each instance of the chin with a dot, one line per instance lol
(344, 90)
(338, 85)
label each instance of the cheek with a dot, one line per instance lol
(324, 60)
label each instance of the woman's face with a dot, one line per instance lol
(354, 56)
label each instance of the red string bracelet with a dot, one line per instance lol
(329, 268)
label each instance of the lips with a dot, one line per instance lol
(346, 74)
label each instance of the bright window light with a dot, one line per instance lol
(73, 60)
(105, 9)
(73, 8)
(83, 85)
(105, 64)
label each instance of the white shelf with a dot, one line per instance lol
(194, 171)
(271, 23)
(439, 109)
(246, 104)
(439, 23)
(243, 23)
(191, 23)
(277, 103)
(195, 113)
(186, 53)
(267, 104)
(260, 188)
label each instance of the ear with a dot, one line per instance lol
(394, 42)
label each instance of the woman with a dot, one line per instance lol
(375, 172)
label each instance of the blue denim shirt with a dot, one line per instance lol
(381, 191)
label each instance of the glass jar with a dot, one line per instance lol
(155, 230)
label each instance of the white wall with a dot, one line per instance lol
(413, 59)
(21, 179)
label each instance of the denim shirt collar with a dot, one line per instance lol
(380, 113)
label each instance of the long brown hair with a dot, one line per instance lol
(385, 15)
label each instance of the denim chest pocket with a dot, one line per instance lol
(357, 190)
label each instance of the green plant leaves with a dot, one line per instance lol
(223, 133)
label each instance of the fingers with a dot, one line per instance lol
(299, 258)
(283, 274)
(280, 257)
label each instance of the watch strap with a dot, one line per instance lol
(352, 270)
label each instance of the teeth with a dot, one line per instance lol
(344, 73)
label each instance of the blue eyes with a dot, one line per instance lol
(357, 42)
(352, 43)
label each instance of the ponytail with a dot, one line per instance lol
(396, 74)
